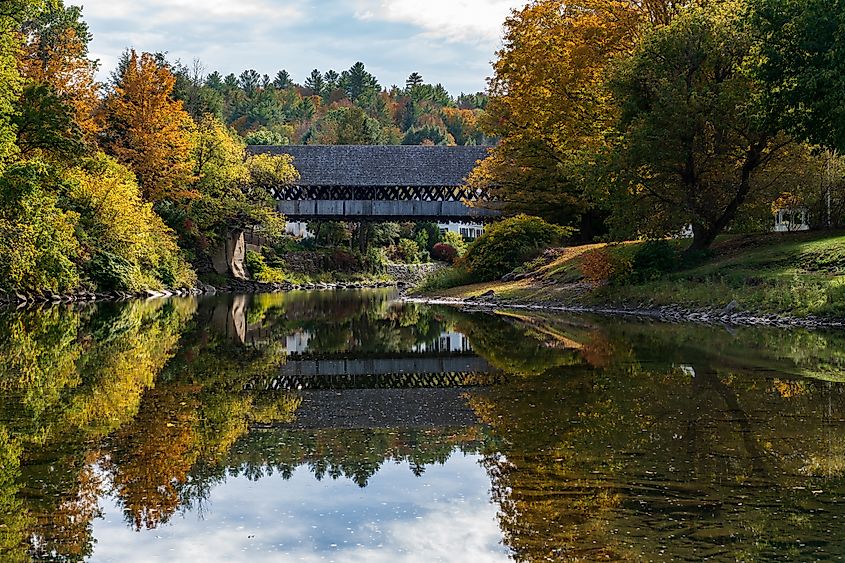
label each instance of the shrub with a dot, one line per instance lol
(610, 264)
(342, 261)
(375, 261)
(260, 271)
(408, 251)
(456, 241)
(444, 252)
(654, 258)
(112, 272)
(509, 243)
(445, 279)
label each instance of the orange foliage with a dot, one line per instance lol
(149, 131)
(60, 59)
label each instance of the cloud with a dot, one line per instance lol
(477, 21)
(445, 515)
(448, 41)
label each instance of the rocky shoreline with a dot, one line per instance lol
(233, 286)
(728, 316)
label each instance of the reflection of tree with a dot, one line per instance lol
(637, 459)
(339, 322)
(516, 348)
(13, 517)
(353, 454)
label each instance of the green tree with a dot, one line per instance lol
(316, 83)
(38, 250)
(357, 82)
(802, 64)
(693, 147)
(415, 79)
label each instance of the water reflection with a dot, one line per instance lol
(125, 424)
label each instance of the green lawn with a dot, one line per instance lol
(796, 274)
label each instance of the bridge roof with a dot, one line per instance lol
(377, 165)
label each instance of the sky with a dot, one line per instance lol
(444, 515)
(447, 41)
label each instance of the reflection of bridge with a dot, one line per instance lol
(406, 371)
(371, 183)
(410, 391)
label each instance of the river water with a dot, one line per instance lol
(350, 426)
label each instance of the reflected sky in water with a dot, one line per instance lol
(444, 515)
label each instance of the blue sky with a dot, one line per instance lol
(447, 41)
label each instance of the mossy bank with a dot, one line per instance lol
(779, 277)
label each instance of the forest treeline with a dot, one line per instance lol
(131, 184)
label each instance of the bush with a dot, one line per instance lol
(260, 271)
(375, 261)
(610, 264)
(444, 252)
(112, 272)
(342, 261)
(445, 279)
(407, 251)
(654, 258)
(508, 244)
(456, 241)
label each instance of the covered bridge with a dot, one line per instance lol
(380, 183)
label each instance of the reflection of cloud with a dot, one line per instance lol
(453, 20)
(445, 515)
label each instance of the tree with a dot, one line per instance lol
(46, 122)
(548, 104)
(415, 79)
(150, 132)
(10, 79)
(56, 54)
(129, 246)
(357, 82)
(38, 250)
(315, 83)
(249, 81)
(347, 126)
(282, 80)
(802, 63)
(332, 79)
(693, 148)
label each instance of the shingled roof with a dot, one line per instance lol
(377, 165)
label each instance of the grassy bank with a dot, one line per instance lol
(796, 274)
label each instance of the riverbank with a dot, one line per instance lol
(396, 275)
(783, 279)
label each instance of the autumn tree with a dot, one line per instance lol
(548, 103)
(234, 190)
(694, 146)
(55, 61)
(150, 132)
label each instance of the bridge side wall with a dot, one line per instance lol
(367, 209)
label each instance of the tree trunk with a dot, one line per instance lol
(703, 236)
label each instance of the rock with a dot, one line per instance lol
(732, 306)
(488, 294)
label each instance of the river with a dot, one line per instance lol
(352, 426)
